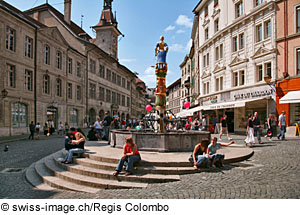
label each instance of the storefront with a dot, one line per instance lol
(288, 99)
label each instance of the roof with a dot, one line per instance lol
(178, 82)
(73, 27)
(107, 18)
(21, 15)
(194, 11)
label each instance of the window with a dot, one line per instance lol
(70, 65)
(298, 19)
(101, 94)
(216, 25)
(268, 69)
(239, 9)
(258, 33)
(219, 83)
(114, 97)
(128, 85)
(92, 66)
(235, 79)
(298, 62)
(58, 87)
(78, 92)
(28, 80)
(108, 95)
(58, 59)
(206, 34)
(114, 78)
(128, 102)
(19, 115)
(28, 47)
(74, 117)
(207, 59)
(259, 73)
(118, 99)
(118, 80)
(206, 11)
(108, 74)
(46, 84)
(92, 91)
(206, 88)
(78, 69)
(234, 44)
(11, 70)
(46, 54)
(221, 51)
(70, 91)
(267, 29)
(123, 82)
(10, 39)
(101, 71)
(241, 41)
(217, 53)
(241, 77)
(258, 2)
(204, 60)
(123, 100)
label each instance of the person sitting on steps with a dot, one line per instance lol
(199, 157)
(77, 148)
(130, 155)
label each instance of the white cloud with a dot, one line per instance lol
(149, 77)
(180, 31)
(176, 47)
(127, 60)
(183, 20)
(170, 28)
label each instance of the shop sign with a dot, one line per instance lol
(255, 94)
(225, 106)
(214, 101)
(209, 98)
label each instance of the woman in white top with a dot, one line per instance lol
(38, 128)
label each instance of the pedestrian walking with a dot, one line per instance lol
(270, 130)
(46, 129)
(98, 126)
(224, 128)
(31, 129)
(38, 130)
(67, 127)
(256, 125)
(215, 121)
(250, 131)
(106, 123)
(282, 125)
(60, 128)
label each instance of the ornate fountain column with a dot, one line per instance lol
(161, 69)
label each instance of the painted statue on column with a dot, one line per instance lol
(161, 69)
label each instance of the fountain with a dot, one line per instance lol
(155, 136)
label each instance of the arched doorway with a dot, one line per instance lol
(74, 118)
(127, 116)
(101, 114)
(123, 116)
(92, 116)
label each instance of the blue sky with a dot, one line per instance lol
(142, 22)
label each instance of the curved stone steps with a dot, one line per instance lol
(89, 181)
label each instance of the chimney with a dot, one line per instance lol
(67, 13)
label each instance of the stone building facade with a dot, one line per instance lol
(52, 69)
(237, 50)
(174, 97)
(288, 61)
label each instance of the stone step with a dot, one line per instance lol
(50, 179)
(36, 180)
(107, 174)
(139, 169)
(88, 181)
(142, 162)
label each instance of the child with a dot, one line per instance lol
(216, 158)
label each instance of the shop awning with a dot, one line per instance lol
(290, 97)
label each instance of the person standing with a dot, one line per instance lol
(67, 127)
(38, 130)
(256, 125)
(31, 129)
(224, 128)
(60, 128)
(282, 125)
(215, 121)
(106, 123)
(270, 130)
(250, 131)
(204, 123)
(98, 126)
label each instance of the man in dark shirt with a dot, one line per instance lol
(256, 125)
(106, 126)
(31, 129)
(224, 127)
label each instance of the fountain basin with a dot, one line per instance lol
(177, 141)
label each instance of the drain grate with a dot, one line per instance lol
(12, 170)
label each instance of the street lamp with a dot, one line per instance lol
(4, 93)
